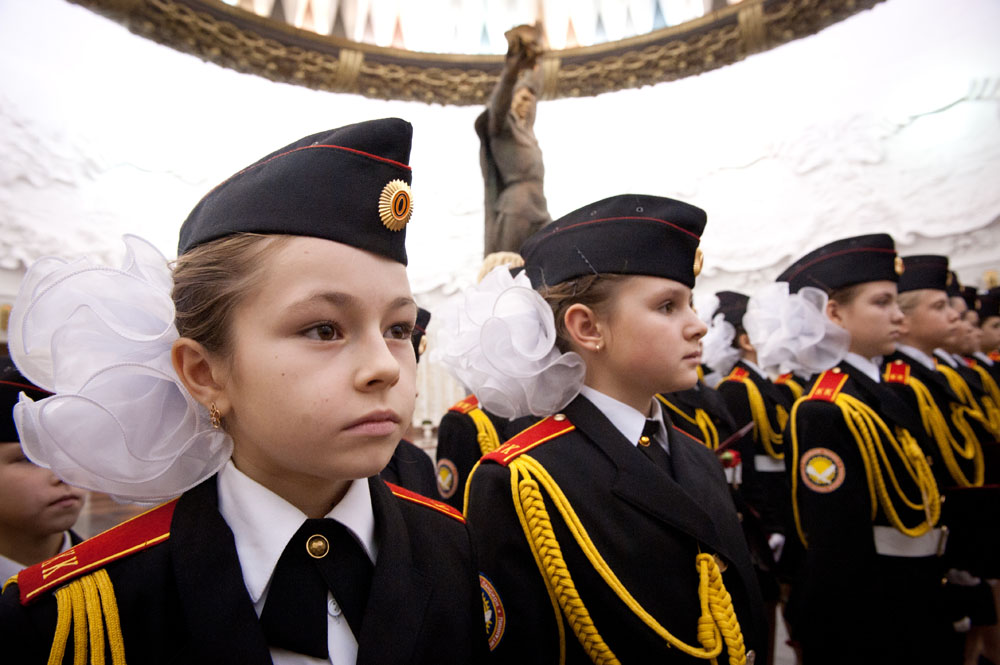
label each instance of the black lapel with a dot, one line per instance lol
(400, 590)
(889, 406)
(932, 378)
(218, 614)
(642, 483)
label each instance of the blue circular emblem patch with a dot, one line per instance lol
(493, 612)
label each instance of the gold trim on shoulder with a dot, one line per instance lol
(699, 260)
(395, 205)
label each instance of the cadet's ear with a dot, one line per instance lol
(833, 312)
(583, 328)
(744, 343)
(202, 373)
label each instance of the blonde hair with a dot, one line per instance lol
(212, 280)
(491, 261)
(593, 291)
(908, 300)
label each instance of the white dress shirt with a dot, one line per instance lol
(917, 355)
(627, 420)
(867, 366)
(262, 523)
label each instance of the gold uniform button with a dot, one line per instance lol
(317, 546)
(559, 417)
(835, 370)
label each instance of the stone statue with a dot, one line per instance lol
(509, 154)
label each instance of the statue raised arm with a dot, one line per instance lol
(509, 155)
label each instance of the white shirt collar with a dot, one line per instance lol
(917, 355)
(941, 354)
(262, 523)
(626, 420)
(867, 366)
(752, 365)
(983, 358)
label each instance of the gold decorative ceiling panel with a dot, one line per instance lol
(272, 48)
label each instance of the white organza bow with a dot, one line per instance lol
(120, 421)
(498, 339)
(717, 350)
(791, 332)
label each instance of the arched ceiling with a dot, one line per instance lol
(263, 39)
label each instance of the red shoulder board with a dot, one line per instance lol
(994, 356)
(971, 362)
(139, 533)
(783, 378)
(738, 374)
(897, 372)
(465, 405)
(413, 497)
(532, 437)
(828, 385)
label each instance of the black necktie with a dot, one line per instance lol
(321, 555)
(649, 444)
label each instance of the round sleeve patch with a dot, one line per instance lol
(822, 470)
(493, 612)
(447, 478)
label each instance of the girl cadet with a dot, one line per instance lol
(865, 503)
(270, 409)
(605, 534)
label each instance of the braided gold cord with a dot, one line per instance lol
(79, 606)
(761, 423)
(95, 625)
(486, 433)
(935, 425)
(701, 420)
(866, 425)
(716, 603)
(64, 621)
(110, 606)
(868, 430)
(991, 401)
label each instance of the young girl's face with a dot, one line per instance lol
(651, 341)
(873, 318)
(321, 383)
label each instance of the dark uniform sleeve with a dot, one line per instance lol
(26, 632)
(834, 513)
(457, 452)
(522, 620)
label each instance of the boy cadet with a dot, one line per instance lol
(37, 510)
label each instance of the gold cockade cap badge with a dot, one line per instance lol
(395, 205)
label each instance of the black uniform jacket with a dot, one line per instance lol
(458, 447)
(706, 398)
(943, 396)
(851, 604)
(412, 468)
(647, 526)
(184, 600)
(765, 491)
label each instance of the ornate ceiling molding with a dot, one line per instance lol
(240, 40)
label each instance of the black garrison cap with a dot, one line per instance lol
(953, 287)
(988, 304)
(732, 306)
(629, 234)
(845, 262)
(350, 185)
(969, 294)
(12, 384)
(419, 330)
(925, 271)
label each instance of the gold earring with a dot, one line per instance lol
(215, 416)
(597, 348)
